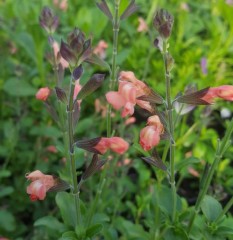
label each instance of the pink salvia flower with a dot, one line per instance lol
(150, 135)
(77, 89)
(62, 4)
(225, 92)
(51, 149)
(130, 121)
(43, 94)
(116, 144)
(40, 184)
(142, 27)
(130, 88)
(100, 49)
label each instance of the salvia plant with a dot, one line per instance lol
(166, 215)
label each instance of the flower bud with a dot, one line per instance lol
(76, 40)
(48, 20)
(163, 22)
(67, 53)
(43, 93)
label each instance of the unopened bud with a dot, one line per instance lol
(48, 20)
(163, 22)
(77, 73)
(67, 53)
(76, 40)
(94, 82)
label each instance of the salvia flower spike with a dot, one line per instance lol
(163, 23)
(48, 20)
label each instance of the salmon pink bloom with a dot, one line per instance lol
(130, 120)
(150, 135)
(225, 92)
(142, 27)
(43, 94)
(100, 49)
(52, 149)
(130, 88)
(62, 4)
(116, 144)
(77, 89)
(40, 184)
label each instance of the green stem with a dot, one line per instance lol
(171, 129)
(225, 210)
(94, 205)
(75, 190)
(113, 79)
(219, 153)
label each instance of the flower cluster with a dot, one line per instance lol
(130, 89)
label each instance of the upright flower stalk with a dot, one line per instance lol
(115, 20)
(113, 77)
(70, 110)
(163, 23)
(169, 109)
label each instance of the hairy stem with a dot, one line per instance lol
(75, 190)
(171, 129)
(113, 79)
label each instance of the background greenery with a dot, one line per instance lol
(205, 29)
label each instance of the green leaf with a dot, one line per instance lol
(176, 233)
(50, 222)
(69, 236)
(211, 208)
(5, 173)
(18, 88)
(164, 196)
(186, 162)
(65, 203)
(6, 191)
(7, 221)
(100, 218)
(225, 231)
(93, 230)
(27, 42)
(80, 232)
(130, 230)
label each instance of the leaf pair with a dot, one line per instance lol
(131, 8)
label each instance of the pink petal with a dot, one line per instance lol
(149, 137)
(115, 99)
